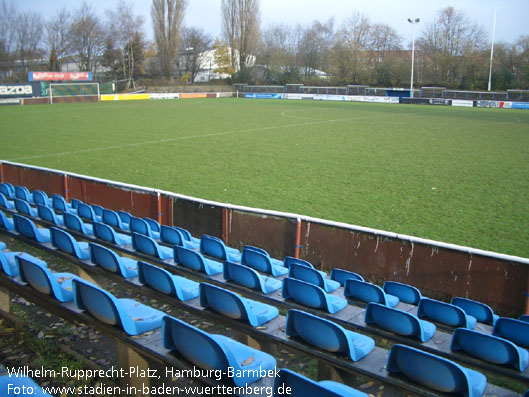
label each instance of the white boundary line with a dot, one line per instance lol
(376, 232)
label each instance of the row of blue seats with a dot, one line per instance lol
(428, 308)
(411, 326)
(135, 318)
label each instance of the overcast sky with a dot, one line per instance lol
(511, 14)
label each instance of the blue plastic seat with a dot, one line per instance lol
(22, 193)
(342, 276)
(482, 312)
(87, 212)
(289, 260)
(109, 260)
(490, 348)
(59, 203)
(112, 218)
(163, 281)
(435, 372)
(273, 261)
(261, 262)
(327, 335)
(215, 247)
(445, 313)
(65, 242)
(141, 226)
(300, 385)
(155, 225)
(7, 190)
(8, 385)
(367, 292)
(148, 246)
(40, 197)
(173, 236)
(399, 322)
(107, 233)
(516, 331)
(24, 208)
(47, 214)
(98, 210)
(124, 216)
(6, 203)
(6, 222)
(311, 295)
(216, 352)
(27, 228)
(73, 222)
(59, 285)
(195, 261)
(234, 306)
(187, 235)
(9, 263)
(312, 276)
(248, 277)
(74, 203)
(130, 315)
(524, 317)
(406, 293)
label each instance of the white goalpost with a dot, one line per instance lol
(74, 92)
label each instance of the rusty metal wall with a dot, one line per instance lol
(198, 218)
(49, 182)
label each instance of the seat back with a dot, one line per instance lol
(104, 232)
(406, 293)
(516, 331)
(363, 291)
(256, 259)
(393, 320)
(317, 331)
(124, 216)
(488, 348)
(185, 233)
(47, 214)
(342, 276)
(427, 369)
(59, 203)
(189, 258)
(145, 244)
(304, 293)
(98, 302)
(4, 201)
(22, 206)
(6, 191)
(184, 338)
(25, 226)
(111, 218)
(35, 275)
(64, 241)
(213, 246)
(97, 209)
(75, 203)
(524, 318)
(481, 311)
(85, 211)
(171, 235)
(303, 386)
(72, 221)
(22, 193)
(104, 257)
(154, 225)
(442, 312)
(140, 226)
(242, 275)
(4, 221)
(156, 278)
(40, 197)
(308, 274)
(222, 301)
(288, 260)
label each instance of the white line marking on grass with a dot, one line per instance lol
(127, 145)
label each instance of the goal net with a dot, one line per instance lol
(74, 92)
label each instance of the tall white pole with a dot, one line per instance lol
(413, 21)
(492, 50)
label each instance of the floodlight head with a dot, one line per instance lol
(414, 20)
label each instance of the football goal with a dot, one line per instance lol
(74, 92)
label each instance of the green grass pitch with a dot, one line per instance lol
(456, 175)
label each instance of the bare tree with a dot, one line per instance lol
(278, 53)
(195, 42)
(28, 38)
(87, 38)
(314, 45)
(8, 16)
(240, 26)
(167, 17)
(57, 38)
